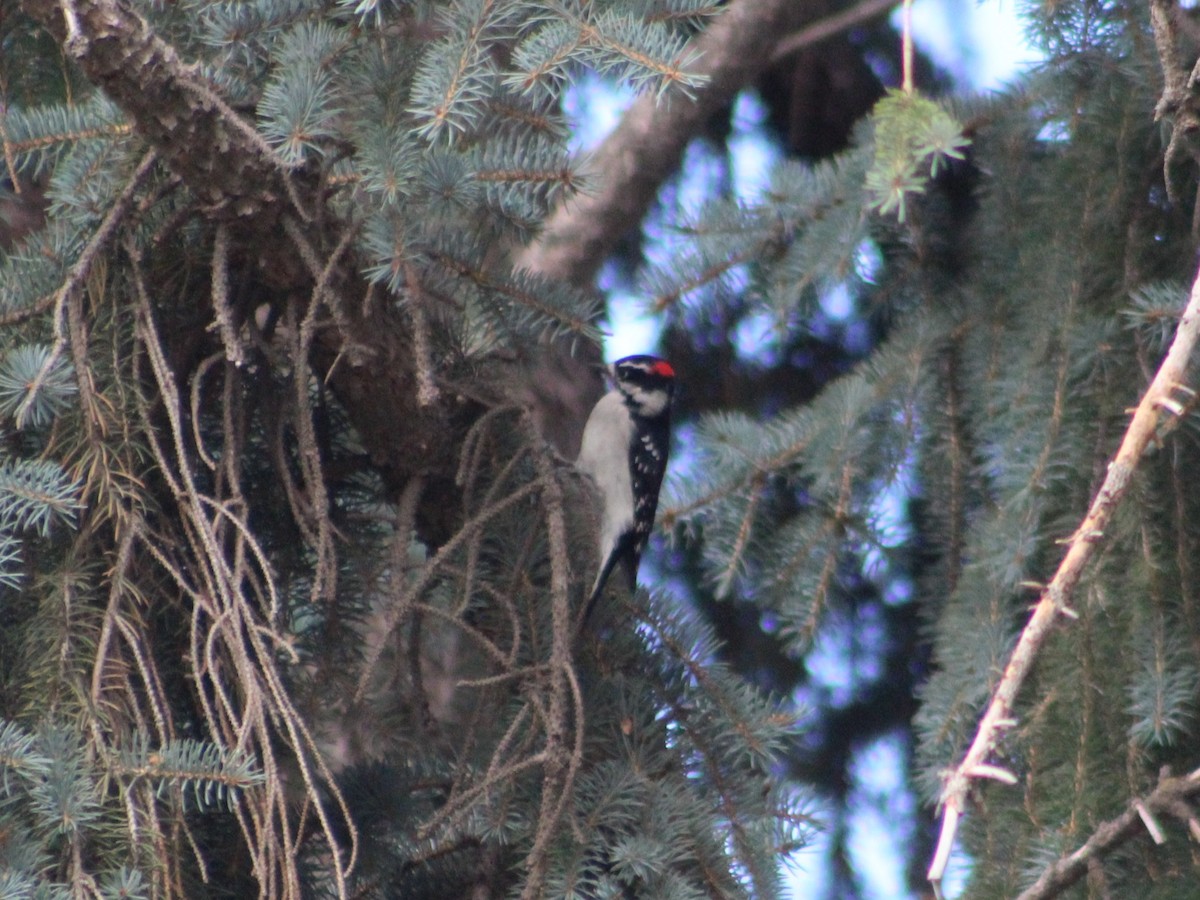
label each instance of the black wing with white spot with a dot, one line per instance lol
(647, 463)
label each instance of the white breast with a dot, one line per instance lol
(604, 455)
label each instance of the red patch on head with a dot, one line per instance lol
(663, 368)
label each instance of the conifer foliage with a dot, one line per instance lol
(1027, 286)
(288, 577)
(289, 574)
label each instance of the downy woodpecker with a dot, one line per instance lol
(624, 450)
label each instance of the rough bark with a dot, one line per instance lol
(218, 154)
(239, 181)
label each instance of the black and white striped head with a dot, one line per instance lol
(647, 384)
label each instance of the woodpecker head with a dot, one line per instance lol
(647, 384)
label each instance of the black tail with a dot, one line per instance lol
(597, 590)
(622, 553)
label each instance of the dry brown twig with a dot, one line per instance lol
(545, 736)
(566, 700)
(232, 643)
(393, 617)
(1169, 796)
(1056, 596)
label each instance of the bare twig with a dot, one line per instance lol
(392, 618)
(1151, 823)
(10, 159)
(1057, 594)
(561, 766)
(427, 390)
(1169, 797)
(234, 650)
(1178, 104)
(831, 25)
(222, 312)
(1166, 42)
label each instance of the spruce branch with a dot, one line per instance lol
(646, 147)
(1170, 796)
(53, 129)
(236, 177)
(25, 313)
(717, 710)
(737, 554)
(1056, 596)
(746, 478)
(711, 273)
(949, 374)
(77, 275)
(517, 291)
(196, 133)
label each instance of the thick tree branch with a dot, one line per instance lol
(634, 161)
(834, 24)
(1054, 600)
(220, 156)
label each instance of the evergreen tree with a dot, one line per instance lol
(294, 294)
(289, 568)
